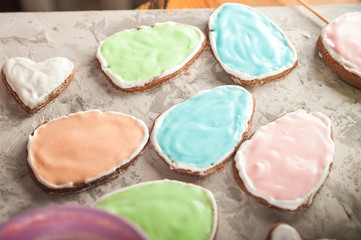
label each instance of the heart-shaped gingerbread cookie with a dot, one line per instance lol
(34, 85)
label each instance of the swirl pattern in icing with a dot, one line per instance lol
(69, 222)
(203, 130)
(247, 44)
(134, 57)
(166, 209)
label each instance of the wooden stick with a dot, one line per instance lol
(314, 11)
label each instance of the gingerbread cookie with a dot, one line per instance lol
(339, 46)
(135, 60)
(166, 209)
(34, 85)
(250, 47)
(83, 149)
(199, 135)
(286, 162)
(283, 231)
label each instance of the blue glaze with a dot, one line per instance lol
(246, 41)
(201, 130)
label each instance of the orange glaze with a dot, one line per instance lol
(82, 146)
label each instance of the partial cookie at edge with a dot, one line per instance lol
(338, 68)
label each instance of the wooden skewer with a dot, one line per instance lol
(314, 11)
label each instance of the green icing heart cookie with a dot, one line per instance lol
(140, 59)
(166, 209)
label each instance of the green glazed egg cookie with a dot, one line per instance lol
(139, 59)
(166, 209)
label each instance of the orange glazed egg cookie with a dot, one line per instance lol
(80, 150)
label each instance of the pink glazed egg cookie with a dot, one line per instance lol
(286, 162)
(34, 85)
(80, 150)
(339, 45)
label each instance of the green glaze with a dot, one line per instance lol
(143, 54)
(165, 209)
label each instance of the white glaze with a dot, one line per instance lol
(286, 204)
(33, 82)
(126, 84)
(178, 165)
(285, 232)
(209, 193)
(125, 161)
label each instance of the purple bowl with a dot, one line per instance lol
(69, 222)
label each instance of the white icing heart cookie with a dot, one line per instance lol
(34, 85)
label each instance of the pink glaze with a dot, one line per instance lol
(344, 37)
(286, 158)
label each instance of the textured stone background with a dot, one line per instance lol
(336, 212)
